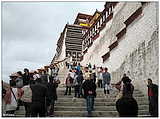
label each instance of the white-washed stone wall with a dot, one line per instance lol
(138, 31)
(141, 64)
(137, 51)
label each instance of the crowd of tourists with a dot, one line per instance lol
(37, 90)
(85, 80)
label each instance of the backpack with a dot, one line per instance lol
(75, 81)
(27, 95)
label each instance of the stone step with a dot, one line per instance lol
(98, 95)
(62, 90)
(142, 115)
(98, 99)
(97, 91)
(95, 113)
(77, 104)
(109, 113)
(97, 108)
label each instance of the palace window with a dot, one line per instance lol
(104, 17)
(90, 41)
(93, 31)
(108, 11)
(106, 14)
(90, 33)
(101, 21)
(97, 24)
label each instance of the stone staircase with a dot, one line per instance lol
(104, 107)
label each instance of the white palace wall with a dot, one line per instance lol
(137, 51)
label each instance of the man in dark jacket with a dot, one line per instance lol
(89, 88)
(52, 92)
(153, 98)
(39, 96)
(26, 77)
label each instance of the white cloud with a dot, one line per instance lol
(30, 31)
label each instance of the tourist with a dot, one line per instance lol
(19, 80)
(77, 83)
(153, 98)
(78, 67)
(119, 86)
(89, 66)
(128, 88)
(106, 81)
(27, 98)
(86, 74)
(100, 77)
(11, 97)
(13, 78)
(56, 69)
(52, 71)
(52, 92)
(80, 80)
(26, 77)
(93, 75)
(72, 74)
(39, 96)
(127, 107)
(56, 79)
(36, 75)
(68, 84)
(44, 77)
(89, 94)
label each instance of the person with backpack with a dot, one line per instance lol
(11, 97)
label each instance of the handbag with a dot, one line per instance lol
(15, 99)
(107, 87)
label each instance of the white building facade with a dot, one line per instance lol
(128, 42)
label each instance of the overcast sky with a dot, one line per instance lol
(30, 31)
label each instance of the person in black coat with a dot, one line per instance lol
(153, 98)
(89, 88)
(128, 88)
(52, 92)
(39, 96)
(127, 107)
(26, 77)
